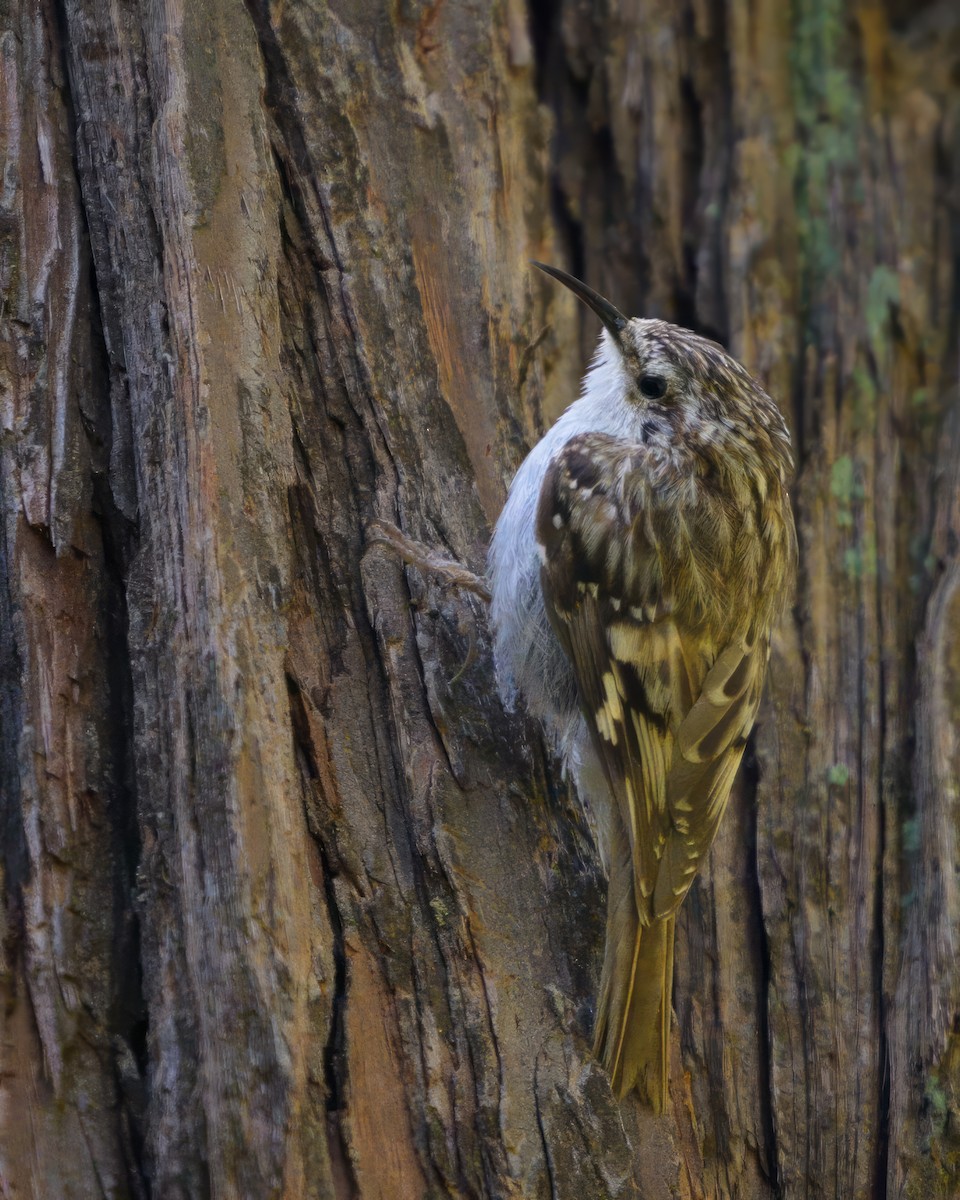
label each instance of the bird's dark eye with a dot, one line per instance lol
(653, 387)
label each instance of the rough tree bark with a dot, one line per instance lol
(292, 907)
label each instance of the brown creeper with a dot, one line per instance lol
(636, 571)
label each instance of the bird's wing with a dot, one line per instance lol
(669, 703)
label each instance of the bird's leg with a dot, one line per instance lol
(416, 554)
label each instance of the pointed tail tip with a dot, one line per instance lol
(651, 1088)
(632, 1037)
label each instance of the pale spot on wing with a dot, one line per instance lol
(626, 642)
(606, 726)
(684, 851)
(656, 652)
(734, 666)
(612, 690)
(726, 708)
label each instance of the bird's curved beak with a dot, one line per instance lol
(613, 319)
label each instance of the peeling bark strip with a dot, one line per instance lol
(291, 906)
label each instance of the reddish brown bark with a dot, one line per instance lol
(292, 906)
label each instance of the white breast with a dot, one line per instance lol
(528, 656)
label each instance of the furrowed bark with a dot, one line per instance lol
(293, 907)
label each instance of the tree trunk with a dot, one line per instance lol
(293, 907)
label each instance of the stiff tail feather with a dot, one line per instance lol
(632, 1037)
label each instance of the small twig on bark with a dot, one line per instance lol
(469, 660)
(416, 554)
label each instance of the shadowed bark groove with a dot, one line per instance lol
(292, 906)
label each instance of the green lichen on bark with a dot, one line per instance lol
(824, 158)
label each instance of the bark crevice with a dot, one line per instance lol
(292, 906)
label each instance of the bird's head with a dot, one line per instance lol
(681, 385)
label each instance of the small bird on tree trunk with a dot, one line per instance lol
(641, 559)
